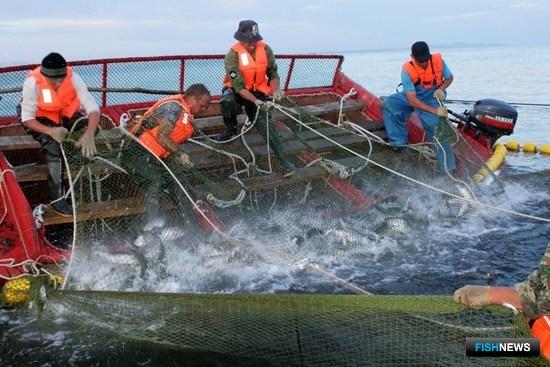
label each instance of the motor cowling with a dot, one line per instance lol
(494, 117)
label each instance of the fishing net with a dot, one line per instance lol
(287, 330)
(232, 223)
(349, 190)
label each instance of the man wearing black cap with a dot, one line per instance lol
(425, 79)
(250, 76)
(52, 97)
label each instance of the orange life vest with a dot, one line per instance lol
(55, 104)
(429, 77)
(253, 69)
(541, 330)
(183, 128)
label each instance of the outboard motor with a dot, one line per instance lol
(491, 117)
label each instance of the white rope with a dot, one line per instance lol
(475, 202)
(2, 192)
(243, 131)
(226, 203)
(29, 267)
(233, 239)
(351, 92)
(71, 191)
(461, 182)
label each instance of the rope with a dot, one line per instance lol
(73, 203)
(231, 239)
(475, 202)
(2, 173)
(226, 203)
(351, 92)
(30, 267)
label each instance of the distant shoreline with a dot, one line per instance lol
(434, 46)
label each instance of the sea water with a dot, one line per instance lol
(486, 248)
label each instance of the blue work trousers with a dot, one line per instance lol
(396, 110)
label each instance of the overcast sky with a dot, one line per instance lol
(82, 29)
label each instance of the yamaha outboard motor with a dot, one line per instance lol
(492, 117)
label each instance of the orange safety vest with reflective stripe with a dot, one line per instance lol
(183, 128)
(254, 70)
(55, 104)
(429, 77)
(541, 330)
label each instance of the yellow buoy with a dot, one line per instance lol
(545, 149)
(17, 290)
(529, 148)
(512, 145)
(493, 164)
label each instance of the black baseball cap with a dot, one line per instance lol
(420, 51)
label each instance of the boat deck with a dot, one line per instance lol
(202, 158)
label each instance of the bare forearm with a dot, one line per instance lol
(416, 103)
(500, 295)
(274, 84)
(247, 95)
(34, 125)
(93, 122)
(446, 83)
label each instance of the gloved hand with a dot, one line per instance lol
(87, 144)
(440, 94)
(58, 133)
(183, 160)
(442, 111)
(259, 103)
(278, 95)
(263, 106)
(475, 296)
(163, 136)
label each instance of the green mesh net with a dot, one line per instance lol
(296, 330)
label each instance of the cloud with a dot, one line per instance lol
(526, 4)
(313, 7)
(447, 18)
(27, 25)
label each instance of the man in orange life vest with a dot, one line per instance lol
(531, 296)
(250, 76)
(424, 77)
(52, 97)
(162, 129)
(168, 123)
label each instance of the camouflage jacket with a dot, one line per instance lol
(535, 292)
(231, 63)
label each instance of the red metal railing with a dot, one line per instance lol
(298, 73)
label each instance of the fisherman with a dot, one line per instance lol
(250, 76)
(424, 78)
(162, 129)
(532, 297)
(169, 122)
(52, 97)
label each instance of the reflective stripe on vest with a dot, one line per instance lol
(183, 128)
(541, 330)
(429, 77)
(55, 104)
(254, 70)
